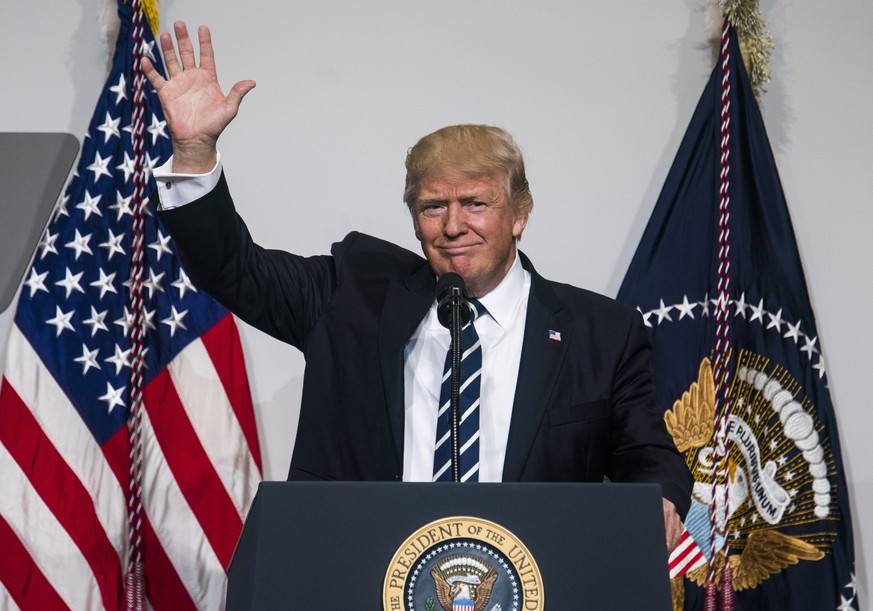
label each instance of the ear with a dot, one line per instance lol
(519, 224)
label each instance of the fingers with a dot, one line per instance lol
(207, 53)
(151, 74)
(672, 525)
(187, 58)
(186, 47)
(673, 539)
(169, 53)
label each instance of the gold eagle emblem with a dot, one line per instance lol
(755, 553)
(463, 578)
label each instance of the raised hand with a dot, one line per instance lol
(196, 109)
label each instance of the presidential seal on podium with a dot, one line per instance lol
(462, 564)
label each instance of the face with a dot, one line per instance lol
(468, 226)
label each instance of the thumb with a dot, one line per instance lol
(238, 92)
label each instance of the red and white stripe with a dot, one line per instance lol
(63, 530)
(686, 556)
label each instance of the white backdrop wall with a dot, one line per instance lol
(598, 94)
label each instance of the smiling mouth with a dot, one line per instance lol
(456, 249)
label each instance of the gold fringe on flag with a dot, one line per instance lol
(756, 44)
(150, 10)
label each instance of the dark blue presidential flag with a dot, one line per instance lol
(740, 370)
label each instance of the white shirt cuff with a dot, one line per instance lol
(176, 190)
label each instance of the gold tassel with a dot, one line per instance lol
(150, 10)
(756, 44)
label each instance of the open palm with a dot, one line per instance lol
(196, 109)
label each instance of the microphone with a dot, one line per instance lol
(451, 291)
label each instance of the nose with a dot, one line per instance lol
(455, 224)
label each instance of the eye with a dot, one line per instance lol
(431, 209)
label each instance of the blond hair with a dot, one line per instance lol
(469, 150)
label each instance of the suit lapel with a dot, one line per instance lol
(541, 358)
(406, 304)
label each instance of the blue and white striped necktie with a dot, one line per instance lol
(470, 381)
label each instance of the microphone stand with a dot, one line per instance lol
(453, 312)
(457, 302)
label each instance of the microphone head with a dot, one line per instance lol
(451, 289)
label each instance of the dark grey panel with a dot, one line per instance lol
(33, 170)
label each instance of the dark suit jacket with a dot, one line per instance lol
(584, 405)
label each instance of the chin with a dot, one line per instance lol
(451, 266)
(463, 271)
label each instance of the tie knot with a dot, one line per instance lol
(477, 308)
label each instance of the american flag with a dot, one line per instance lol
(66, 393)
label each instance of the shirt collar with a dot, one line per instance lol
(503, 300)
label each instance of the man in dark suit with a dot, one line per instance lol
(566, 391)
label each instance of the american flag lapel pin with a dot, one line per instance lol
(555, 336)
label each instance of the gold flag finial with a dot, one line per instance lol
(756, 44)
